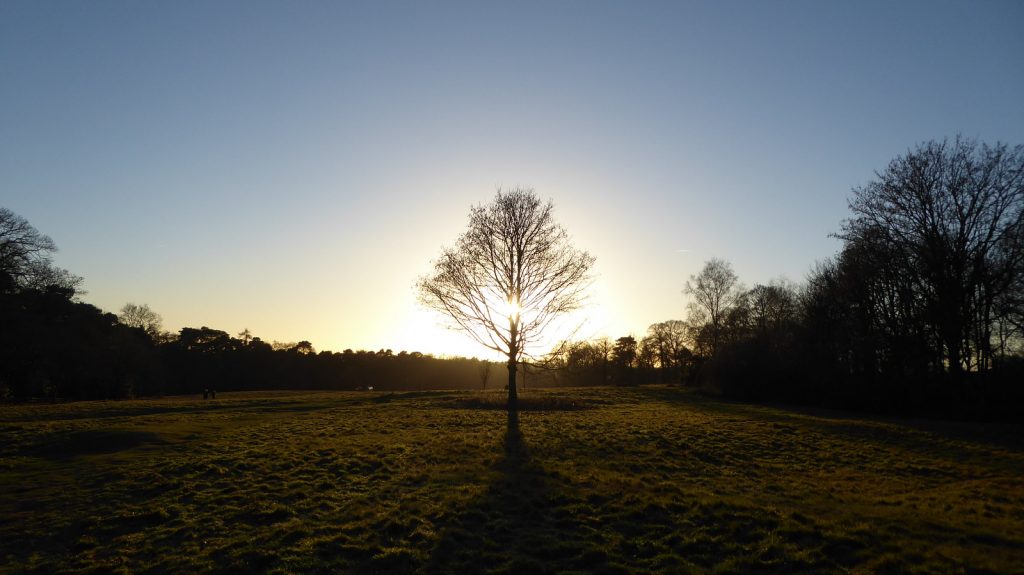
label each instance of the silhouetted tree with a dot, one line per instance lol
(864, 331)
(667, 340)
(624, 352)
(624, 358)
(141, 317)
(205, 340)
(715, 292)
(26, 257)
(646, 353)
(485, 373)
(771, 307)
(303, 348)
(949, 216)
(510, 274)
(601, 352)
(584, 362)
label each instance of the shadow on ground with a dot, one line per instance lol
(520, 525)
(62, 446)
(917, 434)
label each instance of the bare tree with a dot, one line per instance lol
(771, 306)
(950, 215)
(509, 276)
(142, 317)
(26, 257)
(601, 355)
(668, 342)
(484, 371)
(714, 292)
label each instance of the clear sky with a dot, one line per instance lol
(293, 167)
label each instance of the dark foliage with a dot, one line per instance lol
(918, 314)
(205, 358)
(54, 347)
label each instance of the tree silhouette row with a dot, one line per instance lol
(921, 311)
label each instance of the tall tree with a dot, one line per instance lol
(624, 358)
(509, 276)
(715, 292)
(951, 217)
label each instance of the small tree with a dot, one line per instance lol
(509, 276)
(484, 371)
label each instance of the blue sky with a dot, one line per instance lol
(294, 167)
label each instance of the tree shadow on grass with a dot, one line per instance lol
(907, 431)
(66, 445)
(518, 525)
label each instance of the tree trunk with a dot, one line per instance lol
(513, 356)
(512, 396)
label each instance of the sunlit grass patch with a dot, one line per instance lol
(641, 480)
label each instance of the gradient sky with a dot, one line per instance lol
(293, 167)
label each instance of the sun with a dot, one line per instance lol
(509, 308)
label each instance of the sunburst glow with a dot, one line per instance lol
(509, 308)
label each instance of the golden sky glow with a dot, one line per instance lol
(296, 170)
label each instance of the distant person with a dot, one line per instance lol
(206, 393)
(213, 393)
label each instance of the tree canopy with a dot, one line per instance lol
(509, 275)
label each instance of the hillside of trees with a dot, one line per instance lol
(921, 312)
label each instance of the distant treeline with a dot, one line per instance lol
(56, 348)
(53, 347)
(921, 312)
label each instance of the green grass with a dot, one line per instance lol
(586, 481)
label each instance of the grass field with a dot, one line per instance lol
(602, 481)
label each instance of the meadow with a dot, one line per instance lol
(615, 480)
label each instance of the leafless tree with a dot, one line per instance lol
(26, 257)
(771, 306)
(484, 371)
(951, 216)
(509, 276)
(668, 342)
(715, 292)
(142, 317)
